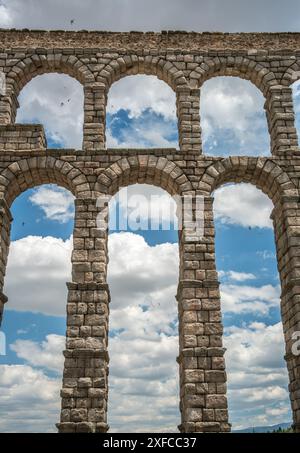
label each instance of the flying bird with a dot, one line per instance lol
(62, 104)
(72, 21)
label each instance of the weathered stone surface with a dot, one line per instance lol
(184, 61)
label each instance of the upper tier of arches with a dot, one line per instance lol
(183, 73)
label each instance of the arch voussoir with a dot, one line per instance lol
(263, 173)
(27, 173)
(143, 169)
(261, 76)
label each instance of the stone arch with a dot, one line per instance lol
(25, 70)
(265, 174)
(149, 65)
(242, 67)
(164, 70)
(27, 173)
(143, 169)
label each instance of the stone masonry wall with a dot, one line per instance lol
(184, 61)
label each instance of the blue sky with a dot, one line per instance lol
(143, 268)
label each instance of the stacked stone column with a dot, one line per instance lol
(5, 223)
(84, 392)
(286, 219)
(201, 358)
(188, 112)
(95, 98)
(281, 119)
(8, 105)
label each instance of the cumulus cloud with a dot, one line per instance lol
(233, 118)
(143, 206)
(142, 92)
(47, 355)
(144, 385)
(29, 399)
(56, 202)
(242, 205)
(154, 269)
(56, 101)
(37, 271)
(257, 375)
(150, 119)
(236, 276)
(246, 299)
(144, 379)
(149, 130)
(144, 342)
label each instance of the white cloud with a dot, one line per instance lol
(47, 355)
(143, 381)
(151, 105)
(37, 271)
(139, 272)
(145, 131)
(244, 205)
(247, 299)
(142, 92)
(143, 206)
(236, 276)
(29, 399)
(257, 375)
(56, 101)
(57, 203)
(233, 118)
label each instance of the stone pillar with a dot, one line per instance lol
(286, 219)
(8, 106)
(5, 223)
(85, 380)
(203, 401)
(281, 119)
(188, 112)
(95, 99)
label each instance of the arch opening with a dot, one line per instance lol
(143, 338)
(250, 299)
(57, 101)
(34, 321)
(141, 113)
(233, 117)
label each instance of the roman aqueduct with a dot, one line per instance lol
(184, 61)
